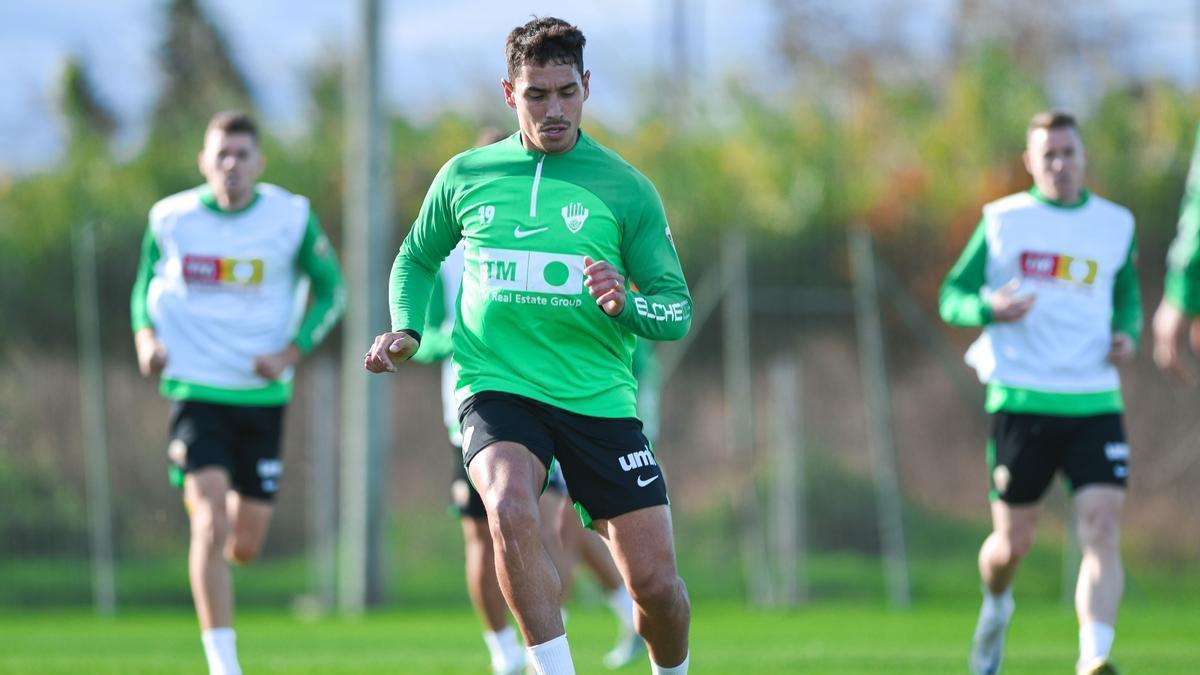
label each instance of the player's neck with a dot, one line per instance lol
(233, 202)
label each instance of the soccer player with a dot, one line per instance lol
(1181, 296)
(1049, 275)
(215, 313)
(553, 225)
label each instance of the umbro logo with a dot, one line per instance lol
(574, 215)
(636, 460)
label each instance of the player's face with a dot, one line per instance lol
(1055, 159)
(549, 104)
(231, 163)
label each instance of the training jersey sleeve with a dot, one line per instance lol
(1183, 259)
(1127, 298)
(959, 300)
(436, 341)
(434, 234)
(139, 312)
(317, 260)
(662, 310)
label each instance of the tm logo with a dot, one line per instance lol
(531, 271)
(636, 460)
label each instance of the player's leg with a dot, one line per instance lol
(1101, 576)
(249, 519)
(257, 471)
(1096, 467)
(643, 548)
(504, 651)
(201, 441)
(1022, 461)
(501, 435)
(551, 507)
(591, 549)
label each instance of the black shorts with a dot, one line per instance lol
(607, 462)
(1027, 450)
(243, 439)
(466, 499)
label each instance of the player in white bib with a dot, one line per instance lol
(1049, 275)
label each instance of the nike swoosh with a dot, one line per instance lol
(521, 234)
(644, 483)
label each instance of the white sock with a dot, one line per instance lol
(1095, 641)
(997, 607)
(680, 669)
(503, 648)
(552, 657)
(220, 648)
(622, 605)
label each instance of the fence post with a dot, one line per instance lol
(322, 503)
(787, 521)
(95, 430)
(879, 411)
(739, 406)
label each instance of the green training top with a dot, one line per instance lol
(1183, 261)
(526, 324)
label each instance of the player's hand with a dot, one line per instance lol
(1007, 306)
(1122, 348)
(388, 350)
(151, 354)
(272, 366)
(1168, 326)
(605, 285)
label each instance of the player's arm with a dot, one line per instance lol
(1181, 292)
(960, 302)
(318, 261)
(661, 308)
(1127, 309)
(435, 342)
(151, 354)
(1182, 289)
(434, 234)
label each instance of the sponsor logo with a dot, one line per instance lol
(211, 270)
(644, 483)
(269, 471)
(636, 460)
(1001, 477)
(676, 311)
(1057, 267)
(1121, 471)
(574, 215)
(466, 438)
(504, 269)
(521, 234)
(1116, 452)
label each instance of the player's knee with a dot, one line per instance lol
(1099, 529)
(241, 553)
(512, 514)
(209, 525)
(1015, 544)
(657, 588)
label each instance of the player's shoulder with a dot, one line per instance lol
(613, 162)
(1019, 201)
(1110, 208)
(176, 204)
(480, 158)
(273, 194)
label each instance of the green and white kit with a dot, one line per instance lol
(526, 324)
(221, 288)
(1183, 260)
(1078, 260)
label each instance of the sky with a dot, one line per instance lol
(444, 55)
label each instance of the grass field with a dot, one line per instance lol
(727, 639)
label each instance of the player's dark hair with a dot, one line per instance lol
(1052, 119)
(543, 41)
(233, 122)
